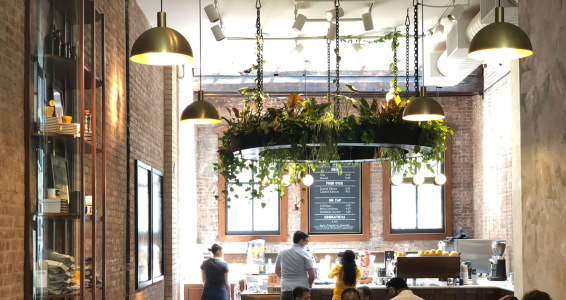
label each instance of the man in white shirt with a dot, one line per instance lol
(366, 266)
(398, 289)
(294, 266)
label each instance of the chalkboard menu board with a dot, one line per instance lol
(335, 201)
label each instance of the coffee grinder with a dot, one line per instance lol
(498, 269)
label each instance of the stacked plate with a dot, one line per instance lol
(71, 128)
(50, 125)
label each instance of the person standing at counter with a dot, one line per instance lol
(294, 266)
(214, 273)
(346, 273)
(398, 289)
(367, 267)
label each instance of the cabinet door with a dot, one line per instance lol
(503, 293)
(427, 294)
(381, 294)
(471, 294)
(490, 294)
(326, 294)
(450, 294)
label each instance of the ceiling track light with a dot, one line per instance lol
(331, 14)
(218, 34)
(368, 21)
(500, 41)
(331, 35)
(299, 22)
(456, 13)
(161, 46)
(357, 47)
(212, 13)
(298, 49)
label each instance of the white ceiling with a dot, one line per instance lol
(239, 16)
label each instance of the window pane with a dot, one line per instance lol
(143, 225)
(239, 215)
(267, 218)
(436, 166)
(430, 206)
(403, 207)
(157, 226)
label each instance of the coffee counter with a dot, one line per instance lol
(485, 290)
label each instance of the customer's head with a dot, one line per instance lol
(536, 295)
(301, 238)
(365, 292)
(509, 298)
(216, 249)
(301, 293)
(396, 285)
(349, 268)
(350, 294)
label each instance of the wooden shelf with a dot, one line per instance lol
(88, 149)
(52, 134)
(59, 215)
(65, 69)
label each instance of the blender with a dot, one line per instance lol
(498, 269)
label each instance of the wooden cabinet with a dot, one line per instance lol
(427, 294)
(450, 294)
(490, 294)
(503, 293)
(325, 294)
(471, 294)
(380, 294)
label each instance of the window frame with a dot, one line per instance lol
(222, 237)
(151, 172)
(414, 234)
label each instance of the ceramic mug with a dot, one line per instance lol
(53, 193)
(67, 119)
(49, 111)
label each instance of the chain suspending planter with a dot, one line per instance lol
(279, 144)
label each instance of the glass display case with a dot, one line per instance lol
(65, 176)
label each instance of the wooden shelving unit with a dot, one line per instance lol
(53, 158)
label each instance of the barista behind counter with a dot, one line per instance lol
(366, 266)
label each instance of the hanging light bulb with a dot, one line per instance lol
(440, 179)
(299, 22)
(331, 14)
(265, 181)
(200, 111)
(308, 180)
(500, 41)
(286, 180)
(418, 179)
(161, 46)
(396, 179)
(298, 49)
(439, 32)
(423, 108)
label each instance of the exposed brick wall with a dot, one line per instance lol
(493, 212)
(147, 131)
(459, 117)
(12, 156)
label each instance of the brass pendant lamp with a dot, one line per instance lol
(422, 108)
(500, 40)
(161, 46)
(200, 111)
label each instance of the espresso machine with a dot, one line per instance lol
(498, 271)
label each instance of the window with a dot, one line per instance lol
(418, 212)
(245, 216)
(149, 225)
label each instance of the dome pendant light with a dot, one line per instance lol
(200, 111)
(423, 108)
(161, 46)
(500, 41)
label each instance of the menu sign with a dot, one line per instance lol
(335, 201)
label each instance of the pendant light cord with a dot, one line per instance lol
(200, 45)
(423, 33)
(161, 5)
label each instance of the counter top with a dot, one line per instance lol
(504, 285)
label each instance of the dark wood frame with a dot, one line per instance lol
(151, 171)
(87, 12)
(222, 237)
(364, 236)
(387, 236)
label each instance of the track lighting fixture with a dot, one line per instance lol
(368, 21)
(331, 35)
(456, 13)
(357, 47)
(218, 34)
(212, 13)
(299, 22)
(331, 14)
(298, 49)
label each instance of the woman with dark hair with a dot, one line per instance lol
(215, 276)
(347, 273)
(536, 295)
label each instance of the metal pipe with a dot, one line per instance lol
(341, 20)
(298, 38)
(305, 1)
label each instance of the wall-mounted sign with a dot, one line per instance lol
(335, 200)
